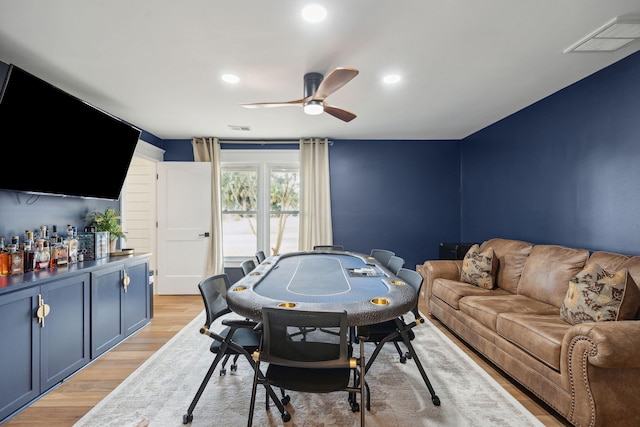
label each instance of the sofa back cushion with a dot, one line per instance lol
(547, 272)
(511, 255)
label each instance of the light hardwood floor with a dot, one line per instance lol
(68, 402)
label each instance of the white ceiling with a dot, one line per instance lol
(157, 63)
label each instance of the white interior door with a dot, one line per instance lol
(184, 215)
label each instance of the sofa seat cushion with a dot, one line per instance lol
(450, 291)
(485, 309)
(538, 334)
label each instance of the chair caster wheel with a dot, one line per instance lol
(223, 372)
(403, 359)
(285, 400)
(436, 400)
(187, 418)
(234, 368)
(407, 355)
(355, 407)
(286, 416)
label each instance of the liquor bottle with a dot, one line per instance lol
(43, 255)
(59, 250)
(16, 263)
(4, 258)
(72, 244)
(29, 252)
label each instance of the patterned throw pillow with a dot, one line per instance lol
(479, 268)
(595, 295)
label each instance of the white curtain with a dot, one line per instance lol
(208, 150)
(315, 194)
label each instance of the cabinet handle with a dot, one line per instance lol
(125, 281)
(43, 310)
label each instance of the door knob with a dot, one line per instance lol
(205, 234)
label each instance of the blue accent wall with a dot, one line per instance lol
(565, 170)
(396, 195)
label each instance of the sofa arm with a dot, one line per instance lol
(601, 368)
(431, 270)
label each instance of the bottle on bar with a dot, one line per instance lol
(4, 258)
(59, 250)
(72, 244)
(43, 255)
(29, 252)
(16, 263)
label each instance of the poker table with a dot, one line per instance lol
(323, 280)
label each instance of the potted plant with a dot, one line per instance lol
(109, 220)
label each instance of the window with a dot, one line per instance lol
(260, 195)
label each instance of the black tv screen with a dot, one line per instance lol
(60, 144)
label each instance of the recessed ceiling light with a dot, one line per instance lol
(230, 78)
(392, 79)
(314, 13)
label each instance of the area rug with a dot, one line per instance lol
(159, 392)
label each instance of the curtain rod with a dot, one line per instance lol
(263, 141)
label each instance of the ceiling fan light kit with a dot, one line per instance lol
(313, 107)
(316, 89)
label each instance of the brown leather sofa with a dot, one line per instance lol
(588, 372)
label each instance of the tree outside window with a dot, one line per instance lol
(260, 209)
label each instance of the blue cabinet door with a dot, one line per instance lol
(137, 308)
(19, 350)
(107, 315)
(64, 339)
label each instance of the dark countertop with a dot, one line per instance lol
(10, 284)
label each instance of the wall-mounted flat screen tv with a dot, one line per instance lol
(55, 143)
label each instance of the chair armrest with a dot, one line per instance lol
(240, 323)
(431, 270)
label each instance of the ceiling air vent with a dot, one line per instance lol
(240, 127)
(615, 34)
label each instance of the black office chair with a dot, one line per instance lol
(321, 363)
(328, 248)
(238, 337)
(395, 264)
(382, 255)
(260, 256)
(398, 330)
(247, 266)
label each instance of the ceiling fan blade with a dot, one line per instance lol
(339, 113)
(334, 81)
(299, 102)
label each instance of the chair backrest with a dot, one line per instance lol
(284, 345)
(395, 264)
(247, 266)
(214, 291)
(414, 279)
(382, 255)
(260, 256)
(328, 248)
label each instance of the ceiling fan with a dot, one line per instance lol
(316, 89)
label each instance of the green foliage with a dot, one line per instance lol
(240, 195)
(109, 220)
